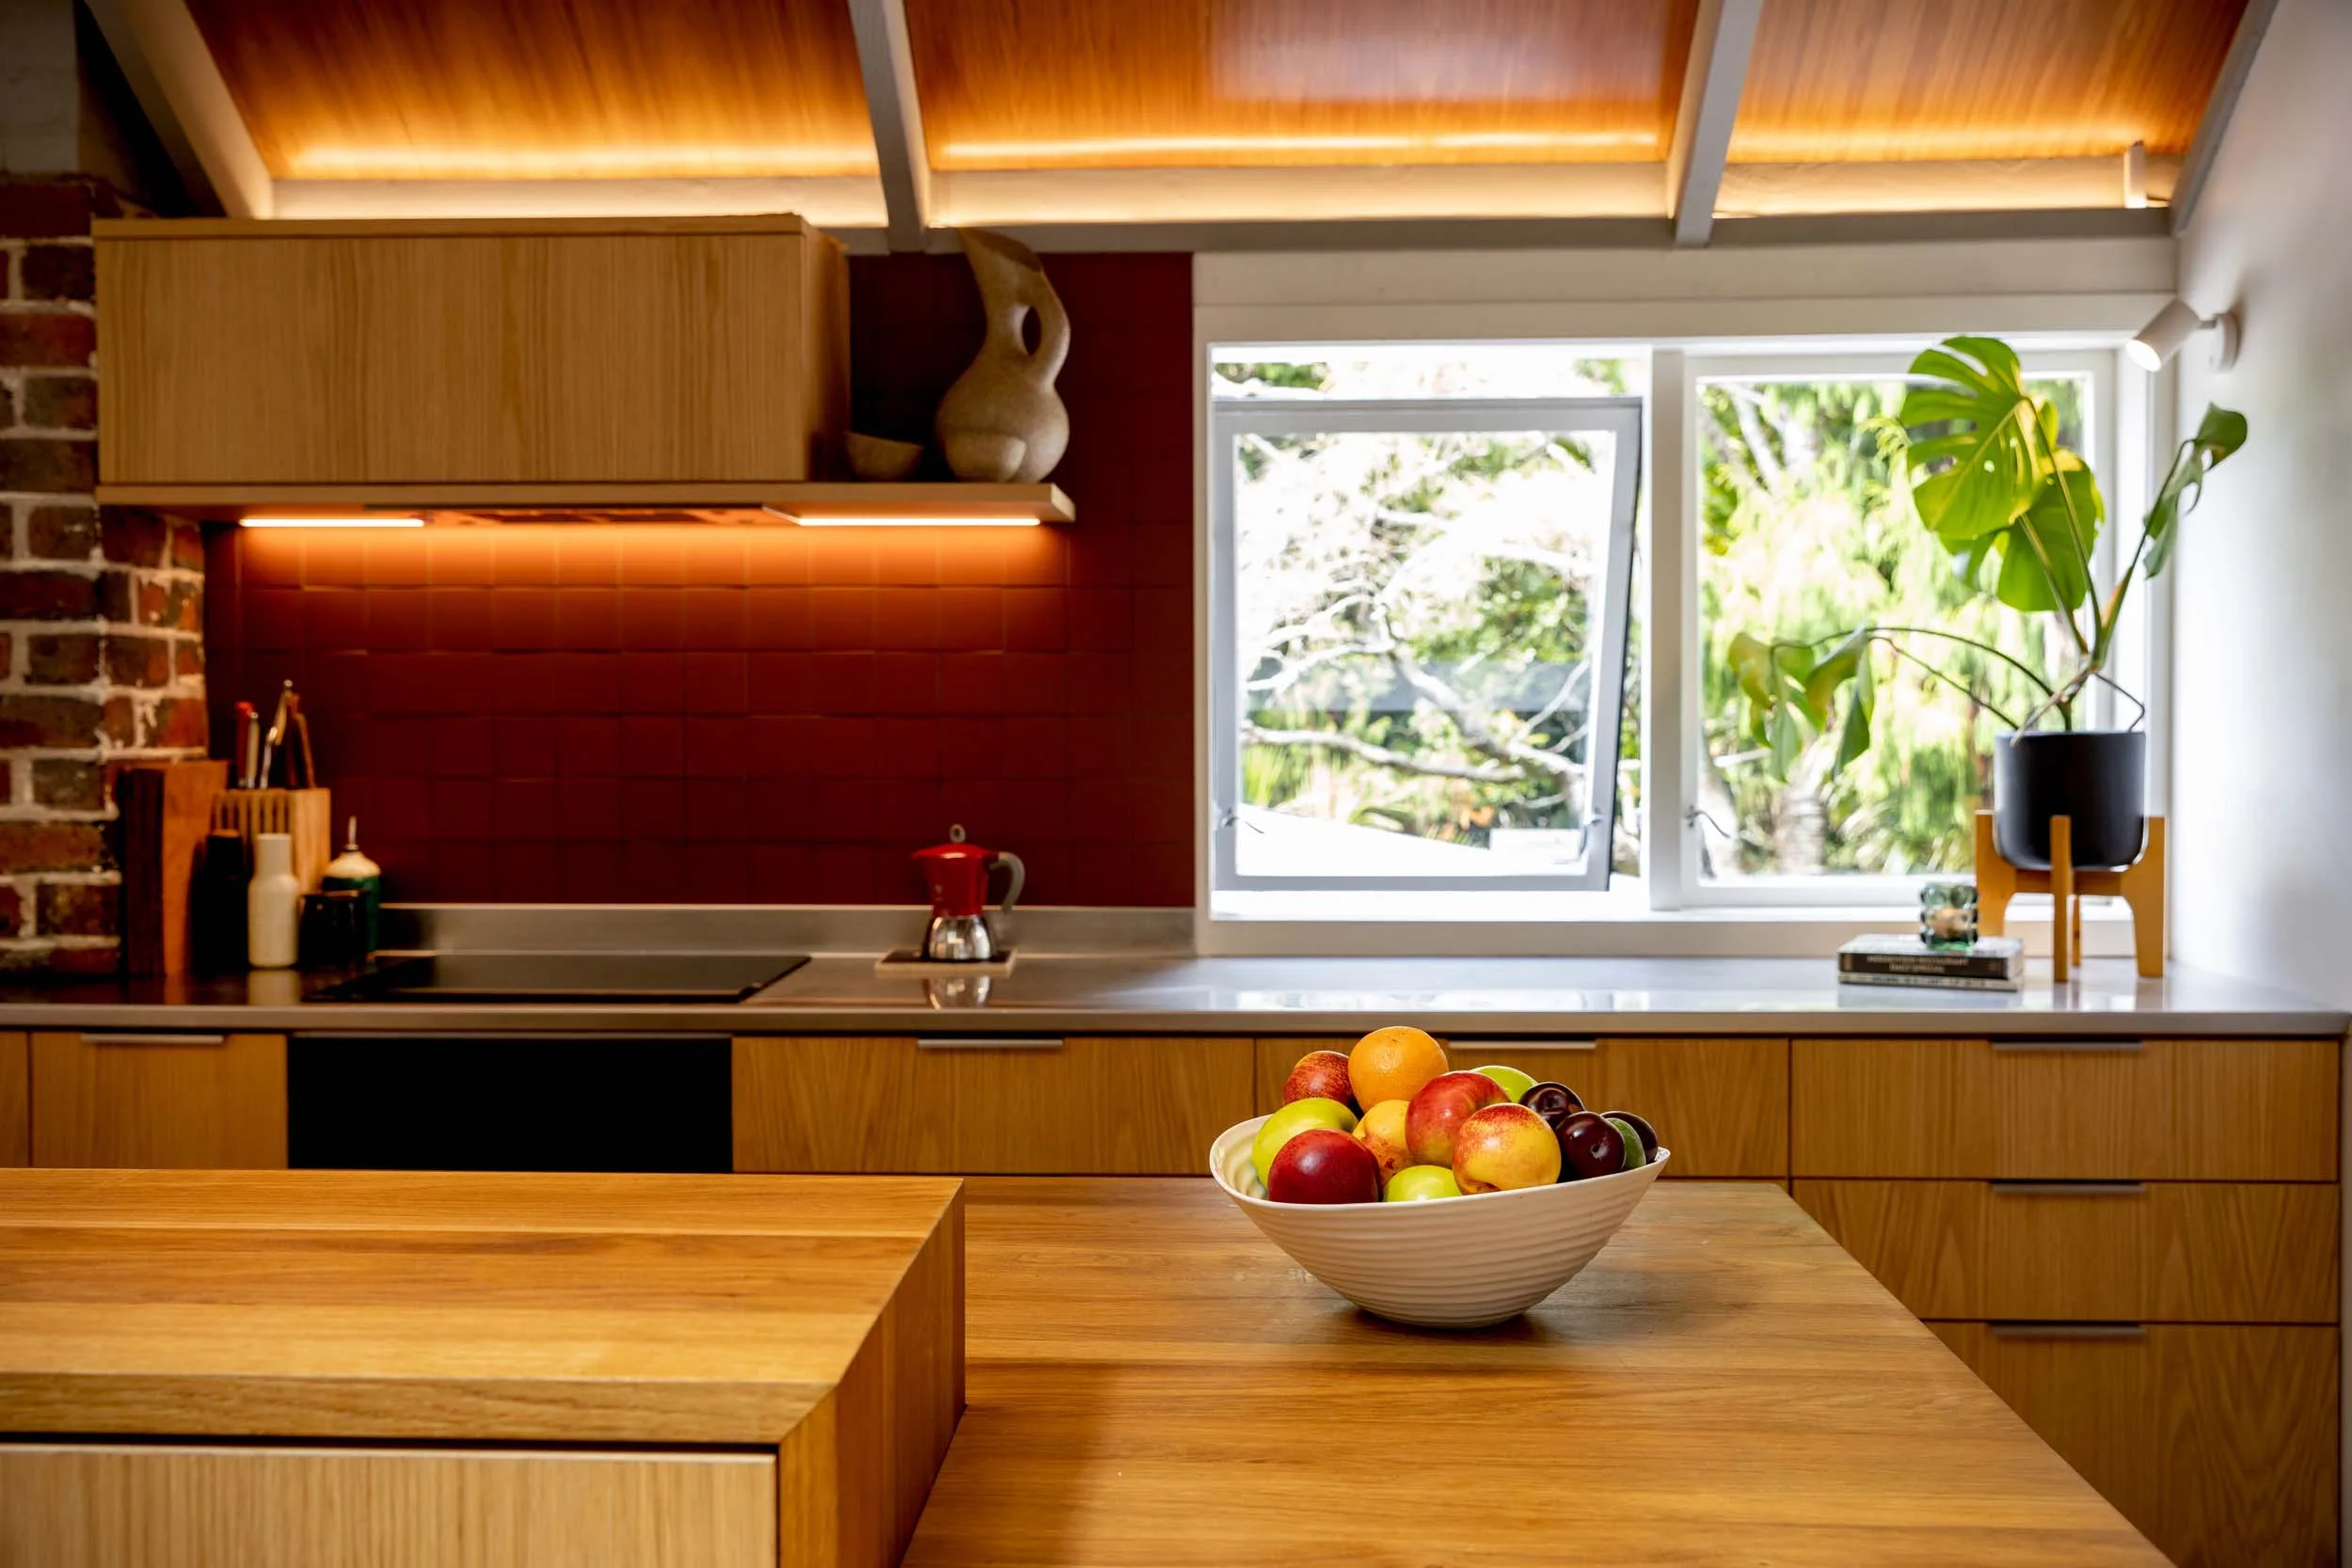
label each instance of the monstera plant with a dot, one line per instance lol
(1982, 465)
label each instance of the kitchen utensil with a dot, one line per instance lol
(1453, 1262)
(956, 875)
(246, 761)
(300, 749)
(334, 930)
(275, 741)
(216, 905)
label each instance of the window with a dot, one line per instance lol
(1418, 611)
(1430, 584)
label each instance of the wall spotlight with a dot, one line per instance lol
(2174, 326)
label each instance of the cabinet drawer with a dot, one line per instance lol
(104, 1506)
(983, 1106)
(2072, 1110)
(160, 1100)
(2219, 1442)
(2153, 1252)
(1720, 1105)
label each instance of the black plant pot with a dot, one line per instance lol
(2097, 778)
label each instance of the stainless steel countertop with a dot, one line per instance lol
(840, 994)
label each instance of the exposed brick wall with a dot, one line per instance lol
(596, 713)
(101, 611)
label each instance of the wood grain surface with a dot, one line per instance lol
(16, 1098)
(199, 1101)
(103, 1506)
(2220, 1442)
(521, 1308)
(1093, 84)
(1932, 80)
(2158, 1252)
(1722, 1106)
(1153, 1383)
(497, 89)
(416, 355)
(1114, 1106)
(2185, 1110)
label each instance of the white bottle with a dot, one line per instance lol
(273, 903)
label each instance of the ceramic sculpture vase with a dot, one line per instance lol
(1002, 420)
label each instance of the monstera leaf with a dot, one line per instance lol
(2045, 555)
(1981, 475)
(2221, 433)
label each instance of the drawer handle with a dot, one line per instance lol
(1473, 1047)
(989, 1042)
(154, 1039)
(2117, 1048)
(2067, 1331)
(2070, 1189)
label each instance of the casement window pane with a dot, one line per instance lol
(1804, 536)
(1422, 371)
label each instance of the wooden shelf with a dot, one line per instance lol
(667, 503)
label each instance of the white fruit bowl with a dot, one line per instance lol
(1456, 1263)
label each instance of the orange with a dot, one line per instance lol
(1392, 1064)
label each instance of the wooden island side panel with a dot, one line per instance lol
(159, 1100)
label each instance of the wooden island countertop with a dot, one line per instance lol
(1150, 1382)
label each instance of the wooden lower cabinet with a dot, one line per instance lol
(981, 1106)
(16, 1100)
(2214, 1252)
(159, 1100)
(1720, 1105)
(75, 1505)
(2219, 1441)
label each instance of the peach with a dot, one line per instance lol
(1319, 1075)
(1442, 1105)
(1504, 1148)
(1382, 1130)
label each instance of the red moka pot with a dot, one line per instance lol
(956, 875)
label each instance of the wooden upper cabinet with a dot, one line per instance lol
(1720, 1105)
(160, 1100)
(2085, 1110)
(475, 352)
(982, 1106)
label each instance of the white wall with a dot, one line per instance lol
(2262, 793)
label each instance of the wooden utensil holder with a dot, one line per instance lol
(2139, 884)
(304, 815)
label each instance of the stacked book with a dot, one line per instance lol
(1995, 963)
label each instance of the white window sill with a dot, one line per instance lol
(1616, 924)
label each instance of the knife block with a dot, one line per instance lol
(304, 815)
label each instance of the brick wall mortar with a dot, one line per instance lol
(97, 611)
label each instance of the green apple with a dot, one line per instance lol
(1514, 1082)
(1419, 1183)
(1635, 1155)
(1291, 1120)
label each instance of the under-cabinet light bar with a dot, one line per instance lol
(806, 521)
(330, 522)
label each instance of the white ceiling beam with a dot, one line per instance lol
(2197, 166)
(887, 62)
(1717, 69)
(176, 81)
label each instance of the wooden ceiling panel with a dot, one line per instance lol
(473, 90)
(1108, 84)
(1936, 80)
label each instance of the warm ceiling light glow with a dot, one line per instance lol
(1874, 144)
(330, 522)
(1114, 147)
(493, 163)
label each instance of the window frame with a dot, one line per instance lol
(1623, 419)
(1671, 794)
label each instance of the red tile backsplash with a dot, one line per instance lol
(627, 713)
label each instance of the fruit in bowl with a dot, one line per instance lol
(1442, 1105)
(1420, 1184)
(1319, 1075)
(1323, 1165)
(1393, 1063)
(1382, 1130)
(1299, 1116)
(1503, 1149)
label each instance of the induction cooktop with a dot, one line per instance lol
(569, 977)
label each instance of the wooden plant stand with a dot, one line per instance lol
(2139, 884)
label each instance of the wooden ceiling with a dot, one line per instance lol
(1027, 111)
(489, 89)
(1867, 81)
(1112, 83)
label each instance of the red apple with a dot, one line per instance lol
(1504, 1148)
(1324, 1167)
(1442, 1105)
(1319, 1075)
